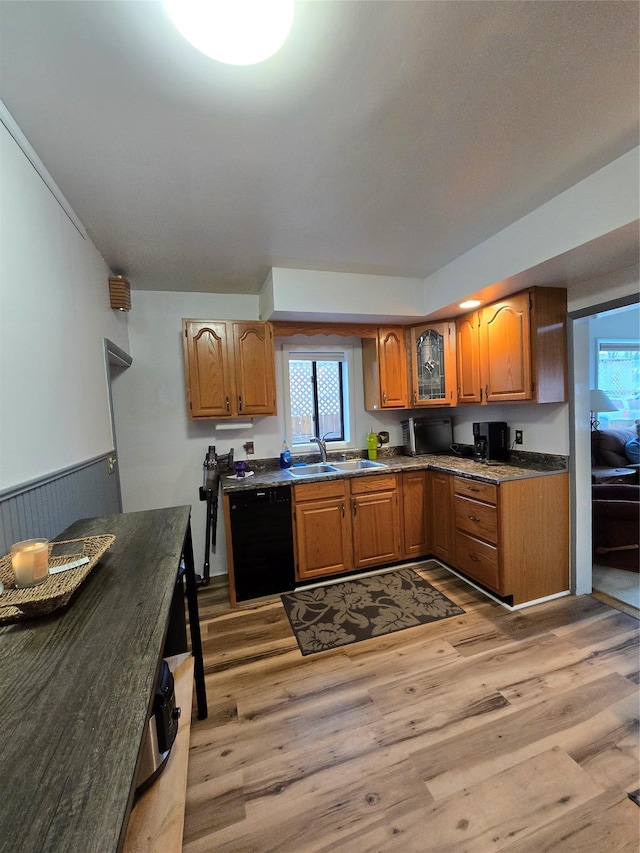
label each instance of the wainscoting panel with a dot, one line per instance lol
(46, 507)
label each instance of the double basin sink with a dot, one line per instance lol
(333, 468)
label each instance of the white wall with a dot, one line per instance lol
(321, 296)
(54, 314)
(545, 427)
(618, 284)
(599, 205)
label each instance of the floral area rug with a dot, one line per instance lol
(331, 616)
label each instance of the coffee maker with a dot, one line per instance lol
(490, 441)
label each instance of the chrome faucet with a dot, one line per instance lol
(323, 447)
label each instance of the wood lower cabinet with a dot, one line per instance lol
(341, 525)
(514, 538)
(415, 504)
(440, 514)
(475, 514)
(322, 529)
(375, 519)
(229, 367)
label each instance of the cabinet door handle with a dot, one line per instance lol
(228, 404)
(342, 510)
(473, 489)
(481, 394)
(473, 558)
(355, 508)
(384, 396)
(473, 518)
(240, 403)
(486, 391)
(415, 396)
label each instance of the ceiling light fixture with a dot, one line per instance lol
(470, 303)
(237, 32)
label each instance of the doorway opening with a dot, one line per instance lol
(116, 362)
(619, 320)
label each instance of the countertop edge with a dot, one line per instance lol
(494, 473)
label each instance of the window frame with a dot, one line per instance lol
(614, 344)
(329, 352)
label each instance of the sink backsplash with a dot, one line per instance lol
(517, 457)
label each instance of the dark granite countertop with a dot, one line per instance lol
(77, 686)
(521, 465)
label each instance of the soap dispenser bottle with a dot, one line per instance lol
(285, 455)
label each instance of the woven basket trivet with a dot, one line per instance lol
(56, 591)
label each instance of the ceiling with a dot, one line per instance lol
(384, 137)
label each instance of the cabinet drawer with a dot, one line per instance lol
(476, 518)
(478, 560)
(487, 492)
(317, 491)
(373, 483)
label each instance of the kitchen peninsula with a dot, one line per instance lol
(504, 526)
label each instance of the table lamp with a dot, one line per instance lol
(599, 402)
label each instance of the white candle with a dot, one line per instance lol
(30, 561)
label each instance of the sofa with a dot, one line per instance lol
(616, 526)
(608, 450)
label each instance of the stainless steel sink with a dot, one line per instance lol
(333, 467)
(357, 465)
(312, 470)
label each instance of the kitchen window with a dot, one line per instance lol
(317, 389)
(618, 372)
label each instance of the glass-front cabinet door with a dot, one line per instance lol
(433, 365)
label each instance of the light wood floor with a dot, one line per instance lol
(483, 732)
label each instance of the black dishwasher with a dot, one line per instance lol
(262, 541)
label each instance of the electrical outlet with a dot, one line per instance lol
(518, 436)
(248, 447)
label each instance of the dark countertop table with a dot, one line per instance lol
(613, 475)
(77, 687)
(488, 472)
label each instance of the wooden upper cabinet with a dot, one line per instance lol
(468, 358)
(210, 387)
(392, 351)
(515, 349)
(385, 370)
(433, 367)
(254, 368)
(505, 347)
(549, 371)
(229, 367)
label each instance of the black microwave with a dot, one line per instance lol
(426, 435)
